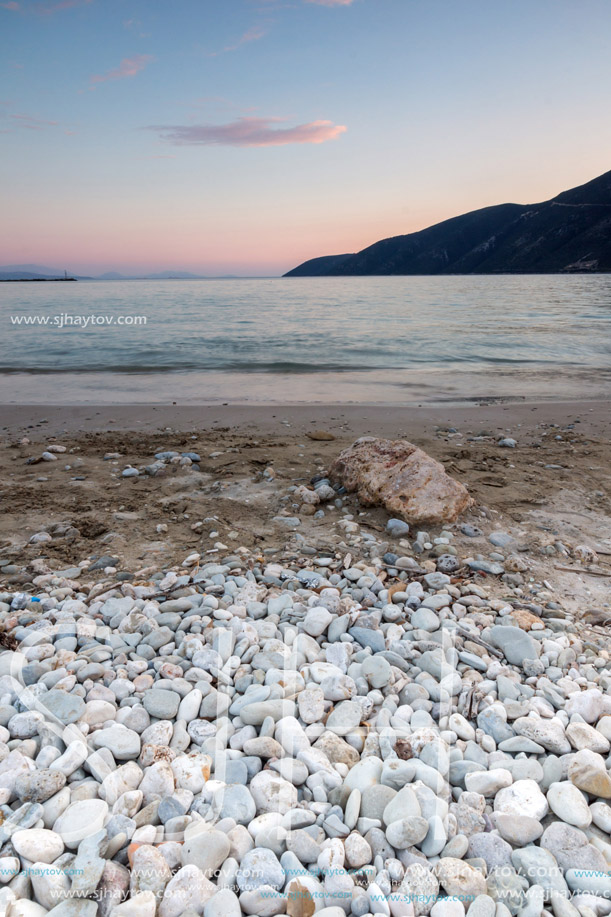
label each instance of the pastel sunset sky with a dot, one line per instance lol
(245, 136)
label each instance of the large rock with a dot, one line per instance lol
(401, 477)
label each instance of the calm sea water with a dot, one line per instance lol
(387, 339)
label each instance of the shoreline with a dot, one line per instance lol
(426, 386)
(389, 420)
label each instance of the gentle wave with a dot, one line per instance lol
(251, 368)
(371, 328)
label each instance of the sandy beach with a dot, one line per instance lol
(555, 485)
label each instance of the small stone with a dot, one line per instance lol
(491, 848)
(397, 528)
(519, 831)
(488, 783)
(142, 904)
(358, 851)
(264, 901)
(39, 785)
(317, 621)
(515, 644)
(38, 845)
(377, 671)
(311, 704)
(522, 798)
(482, 906)
(321, 435)
(80, 820)
(587, 704)
(224, 903)
(188, 888)
(582, 735)
(587, 772)
(272, 794)
(425, 619)
(236, 802)
(207, 850)
(421, 887)
(569, 804)
(406, 832)
(260, 867)
(124, 743)
(459, 879)
(67, 708)
(161, 704)
(571, 849)
(548, 733)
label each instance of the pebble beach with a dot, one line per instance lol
(228, 687)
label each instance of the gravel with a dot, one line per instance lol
(316, 733)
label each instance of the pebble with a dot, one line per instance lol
(366, 736)
(79, 820)
(569, 804)
(515, 644)
(38, 845)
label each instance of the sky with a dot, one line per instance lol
(245, 136)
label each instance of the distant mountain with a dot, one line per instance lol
(35, 272)
(570, 233)
(27, 275)
(39, 272)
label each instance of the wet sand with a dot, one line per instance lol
(345, 420)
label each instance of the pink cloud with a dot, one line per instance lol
(253, 34)
(12, 5)
(331, 2)
(250, 132)
(129, 66)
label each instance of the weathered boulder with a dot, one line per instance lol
(401, 477)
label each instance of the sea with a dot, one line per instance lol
(387, 340)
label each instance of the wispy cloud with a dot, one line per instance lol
(19, 120)
(12, 5)
(249, 132)
(331, 2)
(253, 34)
(129, 66)
(36, 123)
(49, 10)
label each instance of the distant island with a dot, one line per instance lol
(569, 234)
(34, 272)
